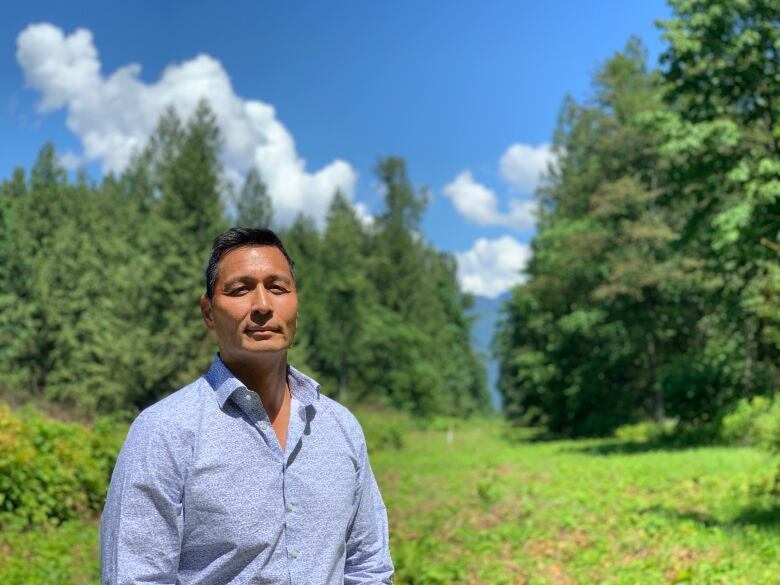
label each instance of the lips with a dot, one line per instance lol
(262, 330)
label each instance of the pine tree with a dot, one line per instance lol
(253, 204)
(345, 299)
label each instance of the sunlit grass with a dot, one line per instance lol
(485, 510)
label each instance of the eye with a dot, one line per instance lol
(238, 291)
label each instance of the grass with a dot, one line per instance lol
(494, 510)
(488, 510)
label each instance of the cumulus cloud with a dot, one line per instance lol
(364, 215)
(479, 204)
(113, 115)
(522, 165)
(70, 160)
(492, 267)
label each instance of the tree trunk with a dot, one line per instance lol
(750, 358)
(343, 383)
(654, 389)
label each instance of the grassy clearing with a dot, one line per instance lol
(494, 511)
(488, 510)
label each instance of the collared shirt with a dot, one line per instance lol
(203, 494)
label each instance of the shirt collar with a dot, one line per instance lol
(224, 383)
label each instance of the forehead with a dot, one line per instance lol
(256, 261)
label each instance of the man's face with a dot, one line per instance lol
(255, 305)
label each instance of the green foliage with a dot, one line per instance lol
(51, 471)
(51, 555)
(382, 319)
(754, 422)
(253, 204)
(383, 429)
(485, 510)
(653, 290)
(645, 431)
(99, 285)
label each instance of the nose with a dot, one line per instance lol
(261, 301)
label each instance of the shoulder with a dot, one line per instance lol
(173, 418)
(346, 422)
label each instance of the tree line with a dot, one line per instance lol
(654, 287)
(100, 279)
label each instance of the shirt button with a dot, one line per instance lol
(264, 425)
(289, 507)
(248, 396)
(294, 553)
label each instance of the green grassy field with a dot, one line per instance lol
(491, 510)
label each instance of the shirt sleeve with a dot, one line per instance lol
(141, 525)
(368, 551)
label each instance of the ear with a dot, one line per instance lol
(205, 311)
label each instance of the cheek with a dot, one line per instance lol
(292, 319)
(230, 317)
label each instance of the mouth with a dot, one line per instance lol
(252, 330)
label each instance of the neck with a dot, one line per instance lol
(267, 376)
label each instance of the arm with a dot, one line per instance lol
(368, 552)
(141, 526)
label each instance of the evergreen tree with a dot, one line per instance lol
(583, 343)
(99, 285)
(344, 298)
(253, 204)
(182, 168)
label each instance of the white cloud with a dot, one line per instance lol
(363, 214)
(479, 204)
(522, 165)
(70, 160)
(114, 114)
(492, 267)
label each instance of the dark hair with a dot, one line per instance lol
(237, 237)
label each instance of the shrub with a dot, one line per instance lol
(50, 555)
(755, 422)
(52, 471)
(645, 431)
(384, 430)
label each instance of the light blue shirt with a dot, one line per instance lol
(202, 493)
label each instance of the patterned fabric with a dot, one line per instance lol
(202, 493)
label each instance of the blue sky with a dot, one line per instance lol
(466, 92)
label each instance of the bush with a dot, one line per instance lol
(52, 471)
(50, 555)
(384, 430)
(645, 431)
(755, 422)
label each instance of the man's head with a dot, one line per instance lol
(237, 237)
(251, 300)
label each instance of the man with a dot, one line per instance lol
(249, 474)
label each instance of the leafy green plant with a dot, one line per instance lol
(645, 431)
(52, 471)
(755, 422)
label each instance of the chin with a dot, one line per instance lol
(262, 348)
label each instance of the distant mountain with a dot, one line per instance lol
(485, 311)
